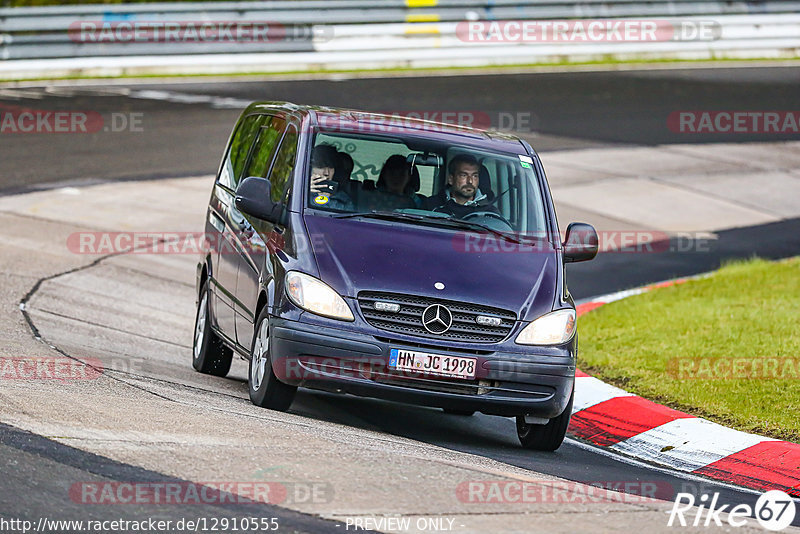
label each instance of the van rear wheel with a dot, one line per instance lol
(209, 354)
(545, 437)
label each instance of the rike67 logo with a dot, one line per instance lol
(774, 510)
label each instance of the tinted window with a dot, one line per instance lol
(240, 146)
(284, 165)
(264, 148)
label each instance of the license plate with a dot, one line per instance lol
(433, 364)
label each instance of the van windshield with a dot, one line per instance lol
(421, 180)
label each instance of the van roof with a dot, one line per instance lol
(412, 123)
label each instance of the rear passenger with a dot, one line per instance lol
(343, 173)
(394, 187)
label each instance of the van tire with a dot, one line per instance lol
(545, 437)
(265, 389)
(210, 355)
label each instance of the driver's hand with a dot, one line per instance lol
(318, 185)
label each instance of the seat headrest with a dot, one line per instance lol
(484, 182)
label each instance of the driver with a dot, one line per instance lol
(325, 190)
(462, 195)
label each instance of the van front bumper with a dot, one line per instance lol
(507, 382)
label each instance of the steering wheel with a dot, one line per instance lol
(494, 219)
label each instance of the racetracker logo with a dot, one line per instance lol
(561, 492)
(188, 31)
(310, 368)
(433, 121)
(624, 241)
(391, 121)
(19, 120)
(724, 368)
(586, 31)
(464, 118)
(734, 122)
(178, 493)
(14, 120)
(102, 243)
(49, 368)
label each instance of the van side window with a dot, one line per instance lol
(264, 148)
(242, 140)
(280, 177)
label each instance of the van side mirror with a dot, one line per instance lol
(253, 198)
(580, 243)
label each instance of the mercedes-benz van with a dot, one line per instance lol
(393, 258)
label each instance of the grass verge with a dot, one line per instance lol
(608, 64)
(725, 347)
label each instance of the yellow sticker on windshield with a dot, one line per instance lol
(321, 199)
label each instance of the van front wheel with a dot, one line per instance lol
(545, 437)
(265, 388)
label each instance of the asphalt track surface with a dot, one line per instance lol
(571, 110)
(39, 472)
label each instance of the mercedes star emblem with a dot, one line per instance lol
(437, 319)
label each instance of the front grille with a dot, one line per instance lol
(408, 320)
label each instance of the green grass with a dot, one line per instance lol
(748, 310)
(420, 71)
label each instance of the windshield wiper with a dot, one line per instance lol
(469, 225)
(443, 219)
(387, 215)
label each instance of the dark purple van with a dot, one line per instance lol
(388, 257)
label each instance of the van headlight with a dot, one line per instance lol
(550, 329)
(316, 296)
